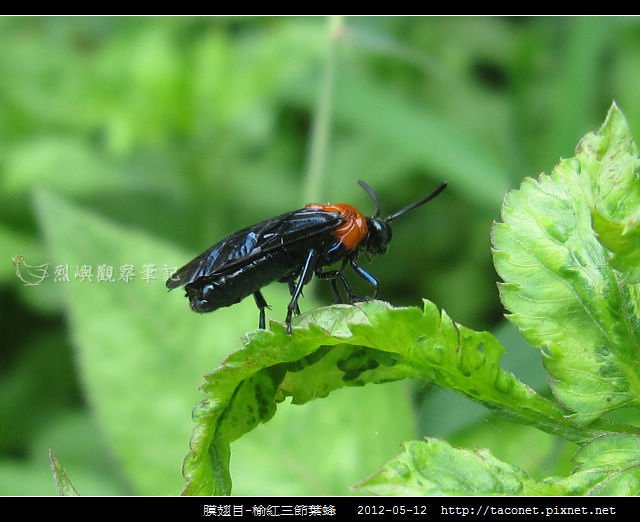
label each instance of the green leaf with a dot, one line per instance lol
(345, 345)
(433, 467)
(559, 285)
(141, 352)
(545, 455)
(616, 217)
(622, 238)
(64, 485)
(609, 465)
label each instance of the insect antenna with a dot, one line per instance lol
(417, 204)
(372, 195)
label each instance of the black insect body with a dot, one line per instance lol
(290, 248)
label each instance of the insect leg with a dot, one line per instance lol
(292, 289)
(262, 304)
(367, 277)
(333, 276)
(305, 276)
(334, 290)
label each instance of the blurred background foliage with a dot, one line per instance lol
(145, 140)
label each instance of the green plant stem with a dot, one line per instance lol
(322, 118)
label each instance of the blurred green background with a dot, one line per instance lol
(142, 141)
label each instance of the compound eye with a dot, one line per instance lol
(379, 237)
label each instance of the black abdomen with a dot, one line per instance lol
(227, 288)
